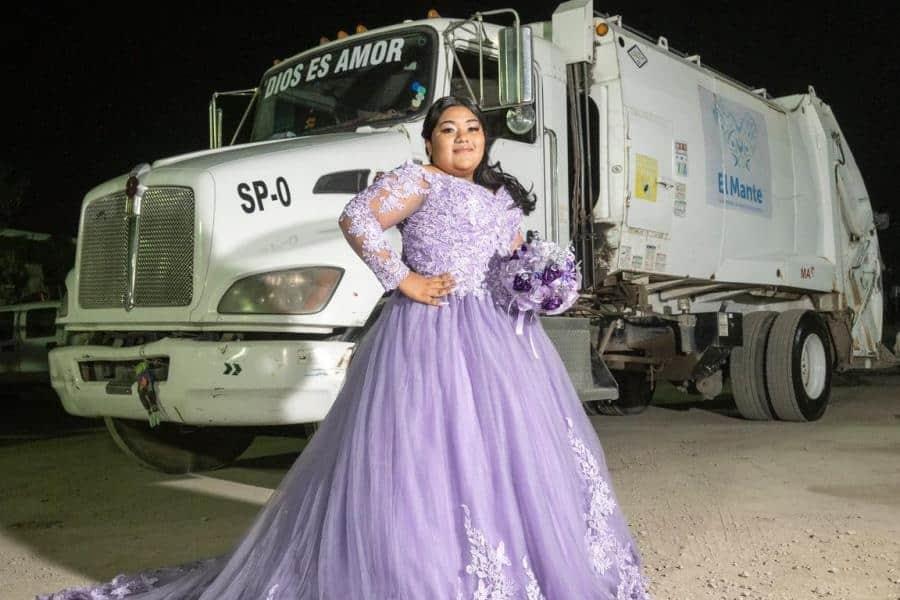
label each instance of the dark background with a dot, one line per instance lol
(93, 91)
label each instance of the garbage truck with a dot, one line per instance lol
(725, 236)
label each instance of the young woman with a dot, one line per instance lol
(454, 463)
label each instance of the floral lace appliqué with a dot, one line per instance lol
(126, 585)
(604, 549)
(449, 225)
(532, 589)
(460, 228)
(488, 565)
(391, 198)
(600, 504)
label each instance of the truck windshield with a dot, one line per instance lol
(371, 80)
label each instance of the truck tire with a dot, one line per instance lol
(635, 395)
(748, 368)
(178, 449)
(799, 366)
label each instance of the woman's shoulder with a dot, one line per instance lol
(408, 168)
(409, 176)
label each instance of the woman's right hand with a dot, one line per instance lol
(427, 290)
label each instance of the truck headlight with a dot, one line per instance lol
(291, 292)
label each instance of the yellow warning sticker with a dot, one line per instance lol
(646, 172)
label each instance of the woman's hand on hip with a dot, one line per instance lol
(427, 290)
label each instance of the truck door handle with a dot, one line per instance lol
(554, 183)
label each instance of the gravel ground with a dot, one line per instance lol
(722, 508)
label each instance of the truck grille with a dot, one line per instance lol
(164, 272)
(104, 253)
(165, 256)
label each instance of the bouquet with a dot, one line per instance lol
(540, 277)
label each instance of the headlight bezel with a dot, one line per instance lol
(247, 288)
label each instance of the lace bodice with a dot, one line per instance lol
(448, 224)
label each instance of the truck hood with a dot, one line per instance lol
(257, 208)
(209, 159)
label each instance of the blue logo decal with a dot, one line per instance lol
(738, 162)
(740, 135)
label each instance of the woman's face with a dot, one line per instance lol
(457, 142)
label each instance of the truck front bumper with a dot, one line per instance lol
(211, 383)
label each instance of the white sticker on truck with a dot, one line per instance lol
(368, 54)
(638, 56)
(681, 158)
(738, 174)
(679, 207)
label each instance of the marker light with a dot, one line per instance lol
(323, 40)
(601, 29)
(360, 28)
(342, 34)
(432, 14)
(291, 292)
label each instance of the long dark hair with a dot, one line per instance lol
(487, 175)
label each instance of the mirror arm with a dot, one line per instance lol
(213, 109)
(518, 29)
(244, 117)
(456, 60)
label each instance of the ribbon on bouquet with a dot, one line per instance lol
(520, 324)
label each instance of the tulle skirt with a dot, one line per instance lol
(454, 464)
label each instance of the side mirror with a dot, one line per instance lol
(515, 83)
(516, 56)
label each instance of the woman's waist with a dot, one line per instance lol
(467, 280)
(462, 293)
(477, 312)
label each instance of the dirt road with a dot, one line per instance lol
(722, 508)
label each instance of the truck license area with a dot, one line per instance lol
(255, 193)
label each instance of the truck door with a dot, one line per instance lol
(863, 278)
(650, 141)
(519, 155)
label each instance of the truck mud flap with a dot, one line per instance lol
(589, 374)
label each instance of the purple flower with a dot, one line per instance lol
(537, 295)
(551, 303)
(551, 273)
(521, 283)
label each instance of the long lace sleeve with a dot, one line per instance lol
(384, 204)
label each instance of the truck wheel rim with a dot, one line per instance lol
(813, 367)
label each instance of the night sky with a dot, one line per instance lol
(91, 92)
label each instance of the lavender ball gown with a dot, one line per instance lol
(453, 464)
